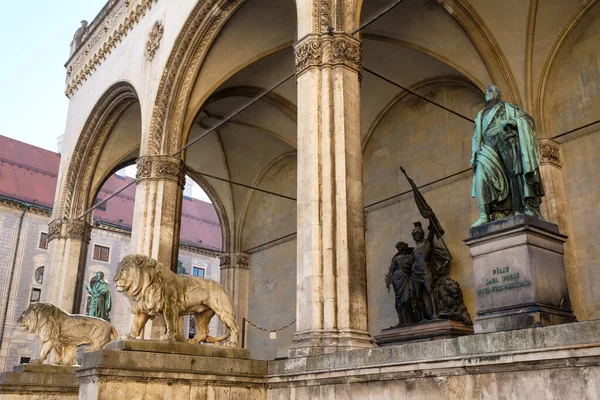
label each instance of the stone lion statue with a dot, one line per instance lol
(62, 332)
(154, 289)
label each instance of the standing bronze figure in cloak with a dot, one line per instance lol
(505, 161)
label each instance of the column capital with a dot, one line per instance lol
(161, 168)
(234, 260)
(549, 152)
(69, 229)
(327, 50)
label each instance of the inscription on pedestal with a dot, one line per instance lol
(509, 281)
(520, 277)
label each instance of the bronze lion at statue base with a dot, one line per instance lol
(63, 332)
(154, 289)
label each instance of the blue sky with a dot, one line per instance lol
(34, 44)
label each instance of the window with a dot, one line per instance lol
(101, 253)
(101, 207)
(199, 272)
(24, 360)
(35, 295)
(39, 275)
(43, 240)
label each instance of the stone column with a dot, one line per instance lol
(554, 208)
(331, 308)
(235, 277)
(67, 253)
(157, 212)
(157, 217)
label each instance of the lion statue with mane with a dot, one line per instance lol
(63, 332)
(153, 289)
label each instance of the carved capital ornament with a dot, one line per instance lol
(69, 229)
(161, 168)
(318, 51)
(234, 260)
(549, 152)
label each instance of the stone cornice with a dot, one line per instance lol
(69, 229)
(20, 205)
(102, 39)
(199, 250)
(161, 167)
(325, 50)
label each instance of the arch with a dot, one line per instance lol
(191, 46)
(486, 45)
(219, 208)
(541, 114)
(403, 94)
(280, 103)
(279, 160)
(111, 106)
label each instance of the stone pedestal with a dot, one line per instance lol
(34, 381)
(432, 330)
(520, 278)
(140, 369)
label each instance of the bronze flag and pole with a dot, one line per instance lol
(426, 211)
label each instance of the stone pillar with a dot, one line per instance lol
(157, 217)
(235, 277)
(554, 208)
(67, 253)
(331, 308)
(157, 212)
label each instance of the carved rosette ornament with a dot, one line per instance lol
(69, 229)
(328, 51)
(549, 152)
(161, 168)
(154, 38)
(235, 260)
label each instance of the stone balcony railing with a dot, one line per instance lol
(114, 22)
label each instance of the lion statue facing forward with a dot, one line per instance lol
(154, 289)
(62, 332)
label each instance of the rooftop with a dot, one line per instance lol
(29, 174)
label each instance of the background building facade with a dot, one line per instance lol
(27, 183)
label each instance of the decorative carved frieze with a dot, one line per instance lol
(328, 50)
(69, 229)
(549, 152)
(161, 167)
(235, 260)
(154, 38)
(102, 39)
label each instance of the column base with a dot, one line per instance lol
(35, 381)
(315, 343)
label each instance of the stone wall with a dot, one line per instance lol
(15, 342)
(581, 171)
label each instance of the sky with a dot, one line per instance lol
(35, 43)
(36, 35)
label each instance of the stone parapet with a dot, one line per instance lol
(544, 363)
(34, 381)
(104, 34)
(139, 369)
